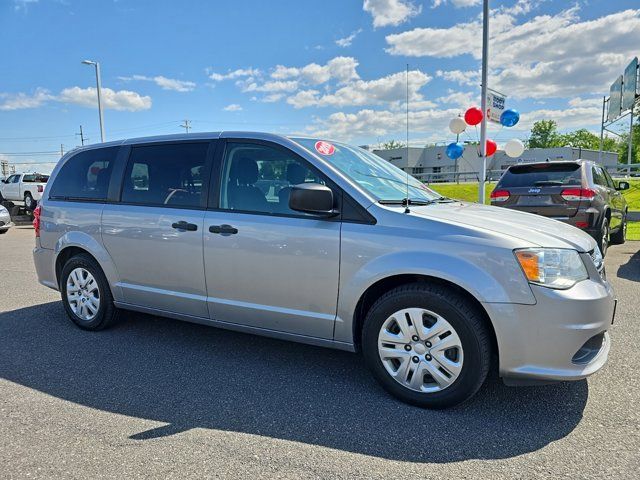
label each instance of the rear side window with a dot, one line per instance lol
(547, 174)
(85, 176)
(166, 175)
(35, 178)
(598, 177)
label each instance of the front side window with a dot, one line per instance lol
(166, 175)
(85, 176)
(374, 174)
(259, 178)
(16, 179)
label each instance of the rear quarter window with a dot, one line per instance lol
(85, 176)
(542, 175)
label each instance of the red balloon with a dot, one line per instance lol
(473, 116)
(490, 147)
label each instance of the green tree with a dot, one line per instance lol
(391, 144)
(544, 134)
(581, 138)
(623, 146)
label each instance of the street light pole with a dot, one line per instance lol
(99, 90)
(483, 124)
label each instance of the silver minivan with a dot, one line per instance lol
(323, 243)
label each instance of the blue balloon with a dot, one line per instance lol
(509, 118)
(455, 150)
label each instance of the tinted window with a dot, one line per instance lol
(15, 179)
(35, 178)
(608, 178)
(259, 178)
(542, 174)
(85, 176)
(598, 177)
(166, 175)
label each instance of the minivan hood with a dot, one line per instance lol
(531, 228)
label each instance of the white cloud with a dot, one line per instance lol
(273, 97)
(578, 56)
(23, 4)
(164, 82)
(115, 100)
(348, 40)
(456, 3)
(463, 100)
(270, 86)
(390, 12)
(469, 77)
(389, 89)
(585, 102)
(233, 74)
(234, 107)
(341, 69)
(19, 101)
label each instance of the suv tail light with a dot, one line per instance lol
(500, 195)
(36, 220)
(40, 189)
(577, 194)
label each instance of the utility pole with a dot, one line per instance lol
(81, 136)
(483, 124)
(61, 150)
(99, 91)
(186, 125)
(630, 147)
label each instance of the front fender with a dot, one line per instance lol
(490, 277)
(90, 244)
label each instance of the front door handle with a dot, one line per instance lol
(223, 229)
(182, 225)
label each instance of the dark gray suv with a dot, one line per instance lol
(580, 193)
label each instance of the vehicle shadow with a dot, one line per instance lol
(631, 269)
(193, 376)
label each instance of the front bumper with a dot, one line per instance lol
(562, 337)
(6, 225)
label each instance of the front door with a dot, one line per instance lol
(154, 234)
(268, 266)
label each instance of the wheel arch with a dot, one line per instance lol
(374, 291)
(73, 243)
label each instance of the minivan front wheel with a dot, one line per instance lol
(427, 345)
(86, 294)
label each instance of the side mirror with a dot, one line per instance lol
(3, 181)
(312, 198)
(622, 185)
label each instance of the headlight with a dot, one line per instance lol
(552, 267)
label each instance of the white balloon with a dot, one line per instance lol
(514, 148)
(457, 125)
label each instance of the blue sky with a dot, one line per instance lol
(330, 68)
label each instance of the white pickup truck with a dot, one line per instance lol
(23, 189)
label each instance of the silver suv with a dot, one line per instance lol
(326, 244)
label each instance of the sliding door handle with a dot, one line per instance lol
(182, 225)
(223, 229)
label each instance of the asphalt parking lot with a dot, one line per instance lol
(154, 397)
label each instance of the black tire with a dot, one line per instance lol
(107, 313)
(2, 232)
(463, 316)
(29, 202)
(620, 236)
(603, 237)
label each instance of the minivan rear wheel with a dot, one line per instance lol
(427, 345)
(86, 294)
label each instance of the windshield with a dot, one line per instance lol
(376, 175)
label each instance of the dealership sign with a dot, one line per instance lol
(615, 99)
(630, 84)
(495, 105)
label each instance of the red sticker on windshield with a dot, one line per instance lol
(325, 148)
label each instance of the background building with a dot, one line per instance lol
(432, 163)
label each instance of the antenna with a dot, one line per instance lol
(406, 210)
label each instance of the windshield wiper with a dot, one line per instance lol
(411, 201)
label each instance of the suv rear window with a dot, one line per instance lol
(542, 174)
(35, 178)
(85, 176)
